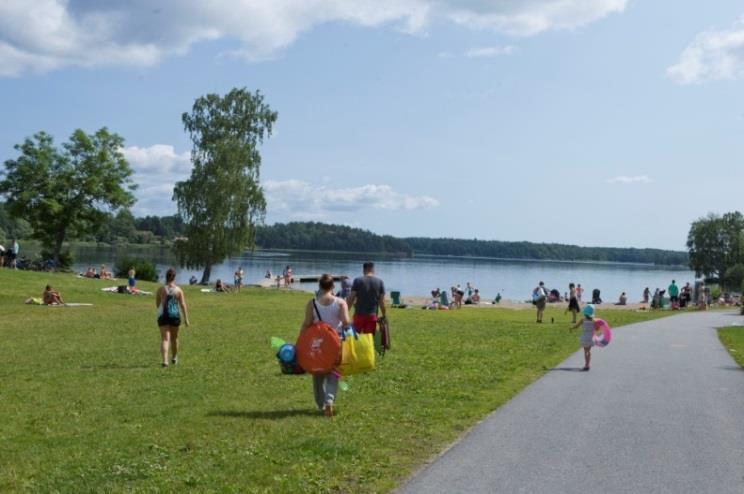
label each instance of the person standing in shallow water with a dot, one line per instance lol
(171, 304)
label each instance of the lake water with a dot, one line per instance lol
(515, 280)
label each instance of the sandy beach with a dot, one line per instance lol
(420, 301)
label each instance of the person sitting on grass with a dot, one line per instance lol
(193, 280)
(623, 300)
(52, 297)
(219, 286)
(334, 311)
(171, 304)
(476, 298)
(90, 272)
(106, 274)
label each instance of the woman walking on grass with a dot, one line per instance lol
(171, 305)
(334, 312)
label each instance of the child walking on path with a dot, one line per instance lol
(587, 324)
(334, 312)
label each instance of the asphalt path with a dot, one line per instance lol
(661, 411)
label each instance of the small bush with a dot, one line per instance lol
(65, 259)
(145, 270)
(734, 276)
(715, 293)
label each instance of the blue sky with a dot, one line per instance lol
(595, 122)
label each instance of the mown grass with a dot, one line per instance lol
(733, 339)
(86, 408)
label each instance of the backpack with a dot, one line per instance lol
(318, 348)
(171, 309)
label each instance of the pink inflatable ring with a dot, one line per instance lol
(602, 333)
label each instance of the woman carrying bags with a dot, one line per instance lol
(333, 311)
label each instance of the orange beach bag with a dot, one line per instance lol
(318, 349)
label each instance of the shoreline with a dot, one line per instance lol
(418, 301)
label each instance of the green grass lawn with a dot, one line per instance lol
(85, 407)
(733, 339)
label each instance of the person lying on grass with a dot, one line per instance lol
(51, 297)
(335, 312)
(171, 305)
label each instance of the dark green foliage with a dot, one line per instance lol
(145, 270)
(12, 226)
(67, 192)
(321, 236)
(166, 227)
(734, 277)
(65, 258)
(535, 251)
(222, 201)
(716, 243)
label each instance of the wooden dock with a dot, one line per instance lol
(298, 278)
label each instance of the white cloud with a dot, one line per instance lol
(624, 179)
(48, 34)
(530, 17)
(490, 51)
(712, 55)
(157, 168)
(302, 200)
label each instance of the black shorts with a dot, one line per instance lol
(674, 299)
(169, 321)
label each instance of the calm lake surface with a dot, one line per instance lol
(515, 280)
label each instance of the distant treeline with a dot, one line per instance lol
(125, 228)
(535, 251)
(321, 236)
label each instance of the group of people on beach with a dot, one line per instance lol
(440, 299)
(104, 274)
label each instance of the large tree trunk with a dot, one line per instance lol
(205, 275)
(57, 250)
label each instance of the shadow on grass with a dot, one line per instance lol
(265, 414)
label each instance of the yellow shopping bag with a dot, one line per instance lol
(357, 353)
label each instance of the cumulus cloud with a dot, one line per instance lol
(489, 51)
(624, 179)
(156, 168)
(302, 200)
(48, 34)
(712, 55)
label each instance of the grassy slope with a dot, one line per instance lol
(85, 408)
(733, 339)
